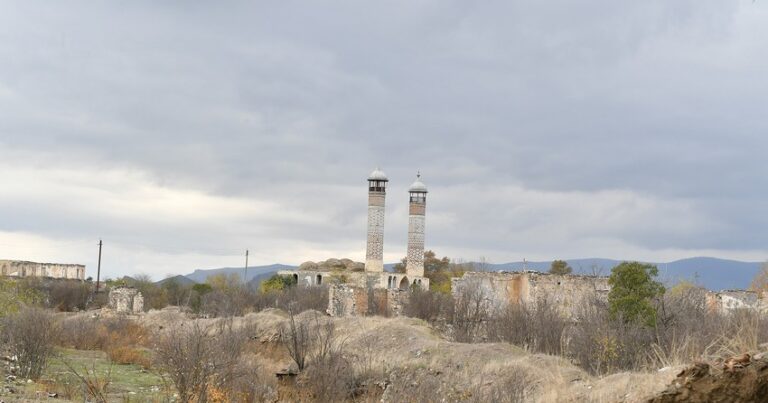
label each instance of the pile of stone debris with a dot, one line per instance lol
(12, 385)
(742, 378)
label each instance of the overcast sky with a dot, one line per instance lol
(183, 133)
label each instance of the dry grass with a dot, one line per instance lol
(404, 359)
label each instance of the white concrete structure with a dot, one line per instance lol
(17, 268)
(416, 221)
(374, 251)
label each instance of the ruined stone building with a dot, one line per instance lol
(17, 268)
(351, 283)
(727, 301)
(568, 292)
(126, 300)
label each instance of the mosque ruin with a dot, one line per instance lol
(361, 288)
(355, 287)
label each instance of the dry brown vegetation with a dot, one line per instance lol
(400, 359)
(459, 349)
(686, 330)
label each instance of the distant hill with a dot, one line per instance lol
(181, 280)
(200, 275)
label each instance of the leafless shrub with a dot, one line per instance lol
(514, 387)
(228, 300)
(67, 296)
(540, 329)
(29, 334)
(200, 360)
(403, 388)
(470, 314)
(94, 386)
(428, 305)
(297, 297)
(330, 377)
(296, 338)
(315, 347)
(81, 333)
(377, 302)
(603, 345)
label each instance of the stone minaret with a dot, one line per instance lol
(418, 203)
(374, 249)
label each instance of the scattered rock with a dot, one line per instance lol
(742, 381)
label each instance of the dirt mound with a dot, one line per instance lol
(702, 383)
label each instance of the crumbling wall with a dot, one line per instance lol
(346, 300)
(499, 289)
(727, 301)
(127, 300)
(17, 268)
(396, 301)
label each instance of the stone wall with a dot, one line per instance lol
(127, 300)
(727, 301)
(348, 300)
(568, 292)
(16, 268)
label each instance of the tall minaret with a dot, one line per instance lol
(374, 249)
(418, 204)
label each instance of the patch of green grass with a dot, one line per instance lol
(126, 382)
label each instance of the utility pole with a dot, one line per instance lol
(98, 270)
(245, 270)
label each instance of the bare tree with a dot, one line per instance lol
(329, 375)
(296, 339)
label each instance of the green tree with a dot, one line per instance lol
(400, 267)
(277, 283)
(155, 297)
(13, 296)
(177, 293)
(633, 290)
(560, 267)
(196, 299)
(438, 270)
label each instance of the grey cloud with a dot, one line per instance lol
(294, 103)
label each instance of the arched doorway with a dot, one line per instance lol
(404, 283)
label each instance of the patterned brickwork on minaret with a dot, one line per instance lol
(374, 251)
(414, 266)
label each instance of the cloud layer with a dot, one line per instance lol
(183, 133)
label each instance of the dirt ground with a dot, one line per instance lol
(410, 348)
(405, 357)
